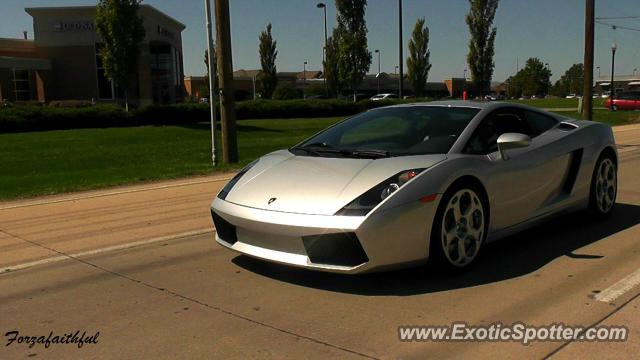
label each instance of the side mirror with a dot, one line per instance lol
(510, 141)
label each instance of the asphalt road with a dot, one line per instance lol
(139, 265)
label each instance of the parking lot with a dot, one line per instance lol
(140, 266)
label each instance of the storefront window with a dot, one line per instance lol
(21, 85)
(163, 73)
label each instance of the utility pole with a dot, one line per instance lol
(587, 92)
(212, 80)
(400, 56)
(225, 68)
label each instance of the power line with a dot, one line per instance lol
(615, 27)
(618, 18)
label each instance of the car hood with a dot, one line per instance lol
(284, 182)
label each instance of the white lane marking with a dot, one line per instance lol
(618, 289)
(103, 250)
(46, 202)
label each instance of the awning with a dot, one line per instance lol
(634, 83)
(18, 63)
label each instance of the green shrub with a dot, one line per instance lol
(285, 91)
(34, 118)
(70, 115)
(71, 104)
(315, 88)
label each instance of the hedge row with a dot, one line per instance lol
(58, 117)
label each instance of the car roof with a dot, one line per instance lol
(454, 103)
(476, 104)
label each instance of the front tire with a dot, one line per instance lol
(460, 228)
(604, 187)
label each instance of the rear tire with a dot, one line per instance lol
(604, 187)
(459, 228)
(614, 107)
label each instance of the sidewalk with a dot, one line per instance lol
(36, 229)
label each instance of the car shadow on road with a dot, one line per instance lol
(511, 257)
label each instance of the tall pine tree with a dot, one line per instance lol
(481, 45)
(418, 64)
(268, 53)
(121, 31)
(354, 59)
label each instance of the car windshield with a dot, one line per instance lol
(394, 131)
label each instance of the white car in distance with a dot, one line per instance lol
(384, 97)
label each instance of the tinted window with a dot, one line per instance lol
(397, 130)
(485, 138)
(629, 96)
(539, 123)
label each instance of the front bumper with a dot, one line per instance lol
(343, 244)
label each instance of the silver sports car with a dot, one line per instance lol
(404, 184)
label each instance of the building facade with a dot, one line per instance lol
(621, 83)
(62, 62)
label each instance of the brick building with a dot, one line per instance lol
(62, 62)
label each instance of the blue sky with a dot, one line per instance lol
(549, 29)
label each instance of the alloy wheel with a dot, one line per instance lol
(463, 227)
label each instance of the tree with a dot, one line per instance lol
(533, 79)
(481, 45)
(121, 31)
(331, 64)
(285, 91)
(354, 58)
(572, 82)
(418, 64)
(314, 89)
(268, 53)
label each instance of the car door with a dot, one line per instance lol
(636, 101)
(519, 187)
(625, 101)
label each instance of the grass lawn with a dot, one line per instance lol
(608, 117)
(60, 161)
(49, 162)
(560, 103)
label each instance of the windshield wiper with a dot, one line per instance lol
(317, 149)
(323, 148)
(368, 153)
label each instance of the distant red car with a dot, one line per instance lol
(624, 101)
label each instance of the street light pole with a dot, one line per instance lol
(304, 80)
(378, 76)
(614, 47)
(212, 81)
(324, 49)
(400, 56)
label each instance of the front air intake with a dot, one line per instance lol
(341, 249)
(225, 230)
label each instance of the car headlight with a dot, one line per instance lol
(370, 199)
(227, 188)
